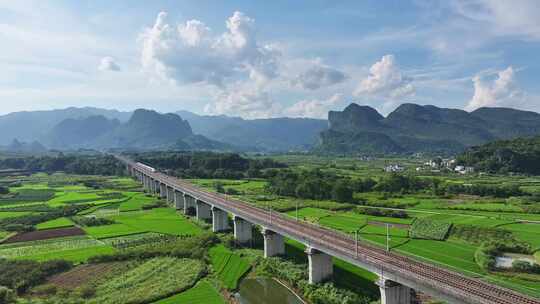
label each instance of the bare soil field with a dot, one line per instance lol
(85, 274)
(45, 234)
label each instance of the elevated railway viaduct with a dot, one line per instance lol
(398, 274)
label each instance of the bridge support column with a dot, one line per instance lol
(220, 220)
(320, 265)
(242, 230)
(153, 186)
(178, 200)
(170, 197)
(146, 183)
(394, 293)
(189, 202)
(274, 244)
(203, 210)
(157, 187)
(162, 190)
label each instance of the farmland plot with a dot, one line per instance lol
(229, 266)
(153, 280)
(202, 293)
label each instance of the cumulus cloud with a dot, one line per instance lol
(502, 91)
(385, 80)
(314, 108)
(190, 53)
(245, 102)
(108, 64)
(318, 75)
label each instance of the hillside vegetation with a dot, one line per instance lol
(520, 155)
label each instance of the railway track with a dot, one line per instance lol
(470, 290)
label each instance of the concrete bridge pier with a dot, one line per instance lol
(320, 265)
(146, 183)
(162, 190)
(189, 202)
(243, 230)
(156, 188)
(220, 220)
(274, 244)
(203, 211)
(393, 292)
(178, 200)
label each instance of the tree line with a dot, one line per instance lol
(75, 164)
(207, 164)
(319, 185)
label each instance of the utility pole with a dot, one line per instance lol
(387, 237)
(356, 242)
(297, 211)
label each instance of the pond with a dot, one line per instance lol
(265, 291)
(506, 260)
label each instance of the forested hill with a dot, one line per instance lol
(414, 128)
(520, 155)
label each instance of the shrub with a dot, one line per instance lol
(429, 229)
(156, 204)
(23, 274)
(44, 290)
(91, 221)
(86, 291)
(7, 296)
(524, 266)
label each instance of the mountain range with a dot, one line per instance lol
(357, 129)
(414, 128)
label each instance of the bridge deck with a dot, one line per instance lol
(454, 284)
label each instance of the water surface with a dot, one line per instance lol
(265, 291)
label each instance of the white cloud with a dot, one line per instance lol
(191, 54)
(385, 80)
(318, 75)
(314, 108)
(503, 91)
(108, 64)
(517, 18)
(245, 102)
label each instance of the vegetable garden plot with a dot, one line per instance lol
(45, 234)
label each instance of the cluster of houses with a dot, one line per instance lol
(447, 164)
(434, 165)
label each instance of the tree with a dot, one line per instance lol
(4, 190)
(219, 187)
(342, 191)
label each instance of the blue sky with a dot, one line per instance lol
(268, 58)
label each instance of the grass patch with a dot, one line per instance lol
(56, 223)
(202, 293)
(79, 255)
(135, 202)
(229, 266)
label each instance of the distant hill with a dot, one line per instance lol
(145, 130)
(35, 125)
(273, 134)
(80, 133)
(414, 128)
(22, 147)
(520, 155)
